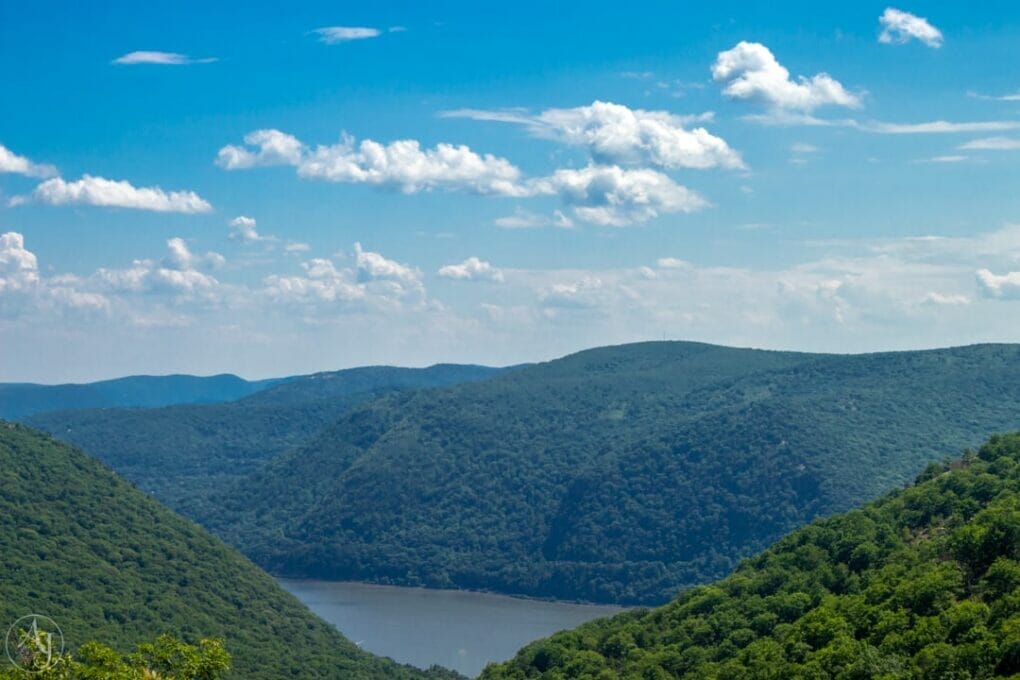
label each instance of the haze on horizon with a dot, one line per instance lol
(220, 189)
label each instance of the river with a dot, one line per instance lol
(454, 628)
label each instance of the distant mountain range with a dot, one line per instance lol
(618, 474)
(186, 452)
(923, 583)
(85, 548)
(20, 400)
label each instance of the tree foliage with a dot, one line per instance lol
(85, 548)
(924, 583)
(615, 475)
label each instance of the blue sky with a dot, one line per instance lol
(270, 190)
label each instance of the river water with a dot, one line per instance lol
(454, 628)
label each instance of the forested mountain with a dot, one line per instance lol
(106, 562)
(924, 583)
(183, 454)
(619, 474)
(19, 400)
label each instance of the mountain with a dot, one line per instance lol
(20, 400)
(619, 474)
(105, 562)
(183, 454)
(924, 583)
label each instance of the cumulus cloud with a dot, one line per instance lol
(471, 269)
(180, 271)
(11, 162)
(272, 148)
(614, 133)
(242, 228)
(372, 266)
(338, 34)
(614, 196)
(751, 72)
(899, 27)
(297, 247)
(161, 58)
(99, 191)
(600, 194)
(1003, 286)
(373, 280)
(992, 144)
(402, 164)
(23, 289)
(19, 268)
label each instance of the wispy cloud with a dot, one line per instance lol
(100, 191)
(523, 219)
(992, 144)
(13, 163)
(338, 34)
(899, 27)
(1014, 97)
(161, 58)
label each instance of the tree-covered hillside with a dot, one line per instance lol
(924, 583)
(20, 400)
(619, 474)
(184, 454)
(104, 561)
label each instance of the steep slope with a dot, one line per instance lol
(85, 548)
(924, 583)
(184, 454)
(617, 475)
(20, 400)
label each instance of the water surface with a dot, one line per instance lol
(453, 628)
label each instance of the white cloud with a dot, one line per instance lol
(939, 127)
(297, 247)
(899, 27)
(935, 298)
(523, 219)
(1005, 286)
(992, 144)
(161, 58)
(373, 282)
(601, 194)
(372, 266)
(179, 272)
(613, 196)
(11, 162)
(673, 263)
(19, 268)
(274, 148)
(337, 34)
(751, 72)
(614, 133)
(471, 269)
(948, 158)
(242, 228)
(402, 164)
(802, 148)
(99, 191)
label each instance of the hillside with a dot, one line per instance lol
(20, 400)
(924, 583)
(85, 548)
(618, 474)
(183, 454)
